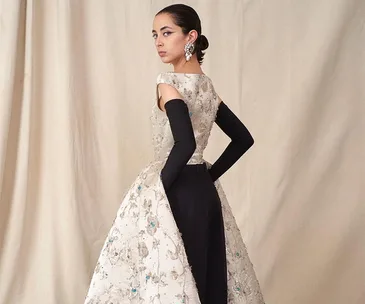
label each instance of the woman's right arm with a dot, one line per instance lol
(182, 131)
(241, 140)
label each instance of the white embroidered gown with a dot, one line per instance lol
(143, 259)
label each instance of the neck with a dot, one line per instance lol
(191, 67)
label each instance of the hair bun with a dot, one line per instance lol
(203, 42)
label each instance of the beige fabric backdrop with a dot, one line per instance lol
(77, 85)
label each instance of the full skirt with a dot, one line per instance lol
(144, 260)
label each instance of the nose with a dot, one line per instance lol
(158, 42)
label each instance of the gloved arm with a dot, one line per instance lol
(241, 141)
(184, 141)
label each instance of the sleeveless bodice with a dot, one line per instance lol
(198, 93)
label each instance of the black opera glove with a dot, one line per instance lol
(241, 141)
(184, 141)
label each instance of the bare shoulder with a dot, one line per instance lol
(167, 93)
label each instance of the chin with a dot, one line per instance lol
(165, 60)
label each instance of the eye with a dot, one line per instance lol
(168, 33)
(154, 36)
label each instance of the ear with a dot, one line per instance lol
(192, 36)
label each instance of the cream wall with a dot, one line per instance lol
(77, 85)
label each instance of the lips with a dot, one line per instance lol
(161, 53)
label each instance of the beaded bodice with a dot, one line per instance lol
(198, 92)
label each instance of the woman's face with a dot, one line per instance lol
(169, 39)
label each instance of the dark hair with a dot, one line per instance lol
(187, 18)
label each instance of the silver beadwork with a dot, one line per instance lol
(189, 49)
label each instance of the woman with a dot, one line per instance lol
(174, 239)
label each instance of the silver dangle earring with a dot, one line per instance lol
(189, 49)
